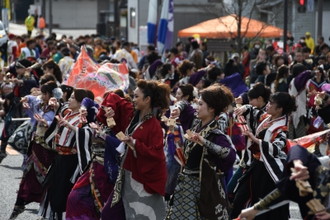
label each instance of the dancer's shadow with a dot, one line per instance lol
(32, 211)
(12, 167)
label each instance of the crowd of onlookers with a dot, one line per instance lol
(280, 96)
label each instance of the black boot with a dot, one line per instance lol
(3, 153)
(2, 156)
(18, 209)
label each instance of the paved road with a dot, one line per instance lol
(11, 173)
(19, 29)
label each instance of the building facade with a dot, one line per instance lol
(131, 22)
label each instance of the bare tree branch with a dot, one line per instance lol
(240, 8)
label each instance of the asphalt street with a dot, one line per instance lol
(10, 168)
(11, 174)
(20, 29)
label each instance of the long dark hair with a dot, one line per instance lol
(80, 94)
(185, 66)
(258, 90)
(48, 87)
(285, 101)
(282, 72)
(56, 70)
(187, 90)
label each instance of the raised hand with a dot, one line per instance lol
(248, 214)
(109, 112)
(24, 101)
(40, 119)
(53, 103)
(300, 172)
(240, 110)
(175, 113)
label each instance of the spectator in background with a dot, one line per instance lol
(308, 57)
(12, 49)
(125, 53)
(327, 62)
(29, 24)
(324, 49)
(74, 51)
(180, 46)
(255, 51)
(174, 57)
(186, 69)
(50, 67)
(270, 51)
(49, 51)
(246, 61)
(253, 64)
(41, 24)
(135, 52)
(66, 63)
(320, 43)
(281, 83)
(40, 44)
(196, 55)
(29, 51)
(309, 41)
(58, 55)
(205, 52)
(262, 70)
(234, 65)
(279, 61)
(144, 61)
(299, 58)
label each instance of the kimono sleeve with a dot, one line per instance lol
(275, 147)
(224, 150)
(111, 158)
(154, 145)
(84, 142)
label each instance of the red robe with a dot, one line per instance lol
(149, 166)
(123, 111)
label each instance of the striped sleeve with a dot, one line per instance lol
(50, 134)
(84, 142)
(273, 156)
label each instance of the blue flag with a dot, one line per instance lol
(166, 26)
(152, 21)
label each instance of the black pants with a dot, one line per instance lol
(255, 184)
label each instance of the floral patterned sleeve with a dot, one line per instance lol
(223, 152)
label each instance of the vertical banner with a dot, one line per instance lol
(152, 21)
(166, 26)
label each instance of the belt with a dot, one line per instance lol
(99, 159)
(66, 150)
(190, 172)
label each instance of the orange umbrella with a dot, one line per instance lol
(226, 27)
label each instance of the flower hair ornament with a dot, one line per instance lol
(57, 93)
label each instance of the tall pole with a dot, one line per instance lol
(116, 19)
(285, 32)
(239, 27)
(50, 16)
(319, 17)
(43, 8)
